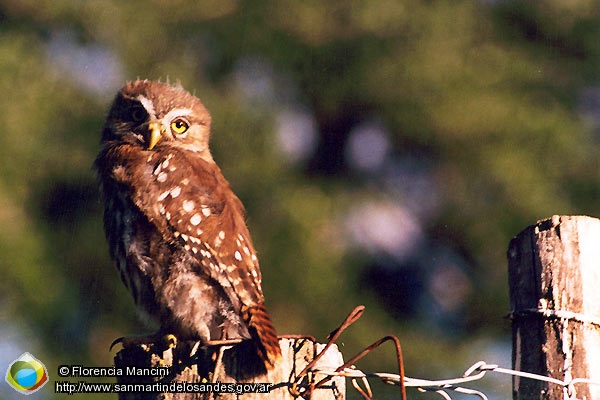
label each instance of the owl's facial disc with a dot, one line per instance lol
(147, 104)
(174, 124)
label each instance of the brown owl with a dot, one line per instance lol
(175, 228)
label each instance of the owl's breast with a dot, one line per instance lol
(129, 235)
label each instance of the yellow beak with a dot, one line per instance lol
(155, 134)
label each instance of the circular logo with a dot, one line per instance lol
(26, 374)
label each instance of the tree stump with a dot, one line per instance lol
(554, 277)
(197, 375)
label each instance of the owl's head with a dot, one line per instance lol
(153, 114)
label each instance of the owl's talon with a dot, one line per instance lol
(168, 340)
(116, 342)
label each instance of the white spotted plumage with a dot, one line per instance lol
(182, 247)
(196, 219)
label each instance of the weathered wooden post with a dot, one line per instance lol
(554, 278)
(225, 382)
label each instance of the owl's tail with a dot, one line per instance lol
(263, 333)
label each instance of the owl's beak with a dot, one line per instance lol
(155, 134)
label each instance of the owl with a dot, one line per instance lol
(175, 229)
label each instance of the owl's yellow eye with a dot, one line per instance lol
(179, 126)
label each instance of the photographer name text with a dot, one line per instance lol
(83, 371)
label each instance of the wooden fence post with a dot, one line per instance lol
(554, 279)
(296, 354)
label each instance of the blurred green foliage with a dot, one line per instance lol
(488, 117)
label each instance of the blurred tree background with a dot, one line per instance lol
(386, 152)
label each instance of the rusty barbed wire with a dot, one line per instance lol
(298, 390)
(556, 314)
(444, 387)
(474, 373)
(304, 383)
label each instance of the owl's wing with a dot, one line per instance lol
(192, 204)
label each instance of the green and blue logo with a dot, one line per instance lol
(26, 374)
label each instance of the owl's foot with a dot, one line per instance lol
(168, 340)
